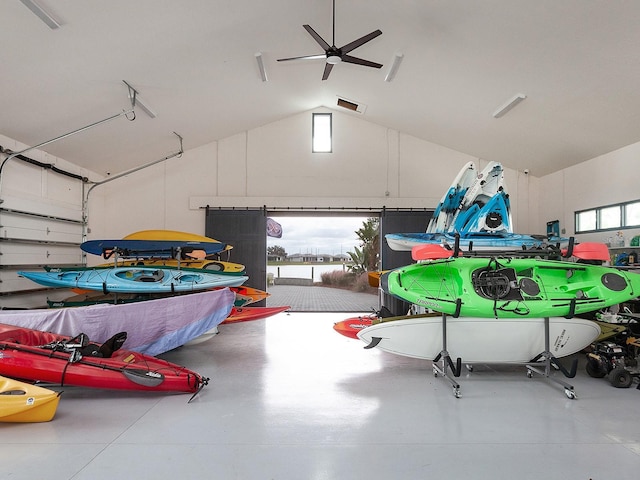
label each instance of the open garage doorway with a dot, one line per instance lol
(319, 240)
(318, 262)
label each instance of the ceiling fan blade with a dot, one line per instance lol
(305, 57)
(361, 41)
(327, 71)
(317, 37)
(360, 61)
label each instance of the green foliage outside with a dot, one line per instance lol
(366, 257)
(277, 251)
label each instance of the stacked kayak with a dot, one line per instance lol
(24, 403)
(510, 287)
(190, 257)
(353, 325)
(476, 339)
(135, 279)
(34, 355)
(488, 184)
(475, 214)
(477, 241)
(206, 264)
(247, 314)
(451, 200)
(243, 296)
(480, 340)
(153, 246)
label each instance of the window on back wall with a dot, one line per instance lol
(610, 217)
(321, 133)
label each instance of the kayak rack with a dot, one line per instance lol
(447, 363)
(443, 364)
(548, 360)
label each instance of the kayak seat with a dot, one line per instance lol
(107, 348)
(154, 277)
(113, 344)
(500, 284)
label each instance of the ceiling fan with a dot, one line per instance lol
(334, 54)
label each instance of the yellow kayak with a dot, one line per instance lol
(173, 235)
(206, 264)
(22, 402)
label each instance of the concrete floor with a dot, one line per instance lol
(321, 299)
(289, 398)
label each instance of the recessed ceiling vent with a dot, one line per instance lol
(351, 105)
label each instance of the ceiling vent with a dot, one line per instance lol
(351, 105)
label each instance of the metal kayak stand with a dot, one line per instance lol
(447, 363)
(443, 365)
(548, 360)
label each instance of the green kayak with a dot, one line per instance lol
(510, 287)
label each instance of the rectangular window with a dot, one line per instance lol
(632, 214)
(321, 133)
(610, 217)
(585, 221)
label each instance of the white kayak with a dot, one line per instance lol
(481, 340)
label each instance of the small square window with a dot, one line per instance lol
(321, 133)
(632, 214)
(586, 221)
(610, 217)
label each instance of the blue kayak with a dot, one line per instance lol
(478, 241)
(134, 279)
(494, 216)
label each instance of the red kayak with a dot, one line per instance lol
(351, 326)
(246, 314)
(33, 355)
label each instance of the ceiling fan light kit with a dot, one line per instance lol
(335, 55)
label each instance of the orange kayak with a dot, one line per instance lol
(246, 314)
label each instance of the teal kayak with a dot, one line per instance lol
(135, 279)
(510, 287)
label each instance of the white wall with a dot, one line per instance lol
(604, 180)
(371, 167)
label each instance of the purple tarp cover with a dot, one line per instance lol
(153, 326)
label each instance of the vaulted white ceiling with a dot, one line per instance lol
(193, 62)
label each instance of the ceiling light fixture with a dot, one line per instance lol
(333, 59)
(136, 101)
(263, 72)
(503, 110)
(42, 14)
(397, 60)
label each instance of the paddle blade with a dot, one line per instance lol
(430, 251)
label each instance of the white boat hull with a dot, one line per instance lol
(482, 340)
